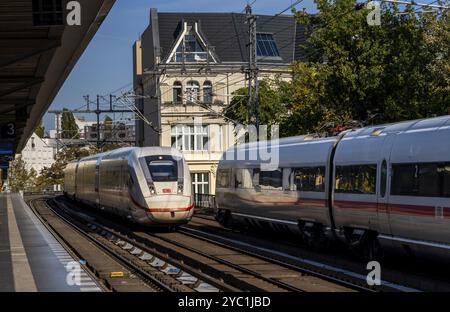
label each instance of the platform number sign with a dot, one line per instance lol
(8, 131)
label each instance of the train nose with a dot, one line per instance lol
(177, 209)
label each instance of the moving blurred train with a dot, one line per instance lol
(377, 188)
(150, 186)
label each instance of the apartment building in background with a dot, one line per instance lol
(186, 68)
(117, 132)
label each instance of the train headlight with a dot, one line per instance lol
(151, 188)
(180, 188)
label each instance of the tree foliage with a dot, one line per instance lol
(21, 179)
(69, 127)
(40, 130)
(356, 72)
(54, 175)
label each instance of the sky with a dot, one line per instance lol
(106, 64)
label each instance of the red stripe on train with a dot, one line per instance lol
(184, 209)
(400, 209)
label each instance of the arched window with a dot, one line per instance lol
(207, 92)
(177, 92)
(192, 91)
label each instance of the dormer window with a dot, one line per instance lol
(190, 47)
(266, 46)
(190, 50)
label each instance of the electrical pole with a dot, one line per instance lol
(97, 111)
(252, 72)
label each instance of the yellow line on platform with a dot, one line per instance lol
(23, 276)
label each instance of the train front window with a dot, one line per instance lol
(163, 170)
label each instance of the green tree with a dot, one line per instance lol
(40, 130)
(54, 175)
(365, 70)
(108, 121)
(69, 127)
(272, 104)
(354, 73)
(18, 175)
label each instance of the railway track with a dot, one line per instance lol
(239, 268)
(398, 273)
(150, 271)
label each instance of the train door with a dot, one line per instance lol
(124, 196)
(384, 185)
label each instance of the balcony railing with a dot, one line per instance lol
(205, 201)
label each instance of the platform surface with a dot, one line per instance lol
(31, 259)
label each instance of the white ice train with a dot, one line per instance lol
(385, 186)
(150, 186)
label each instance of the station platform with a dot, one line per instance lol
(31, 259)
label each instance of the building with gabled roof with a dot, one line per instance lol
(186, 68)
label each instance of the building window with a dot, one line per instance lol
(33, 145)
(190, 138)
(192, 92)
(200, 182)
(266, 46)
(356, 179)
(177, 92)
(309, 179)
(207, 92)
(190, 50)
(426, 180)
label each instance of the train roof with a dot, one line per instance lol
(308, 149)
(138, 151)
(399, 127)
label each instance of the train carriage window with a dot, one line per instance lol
(271, 179)
(426, 180)
(404, 179)
(238, 178)
(223, 178)
(309, 179)
(446, 180)
(429, 181)
(356, 179)
(255, 177)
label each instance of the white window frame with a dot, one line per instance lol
(184, 134)
(198, 183)
(192, 92)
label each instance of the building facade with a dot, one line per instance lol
(117, 132)
(38, 154)
(187, 67)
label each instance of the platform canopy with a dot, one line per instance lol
(38, 50)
